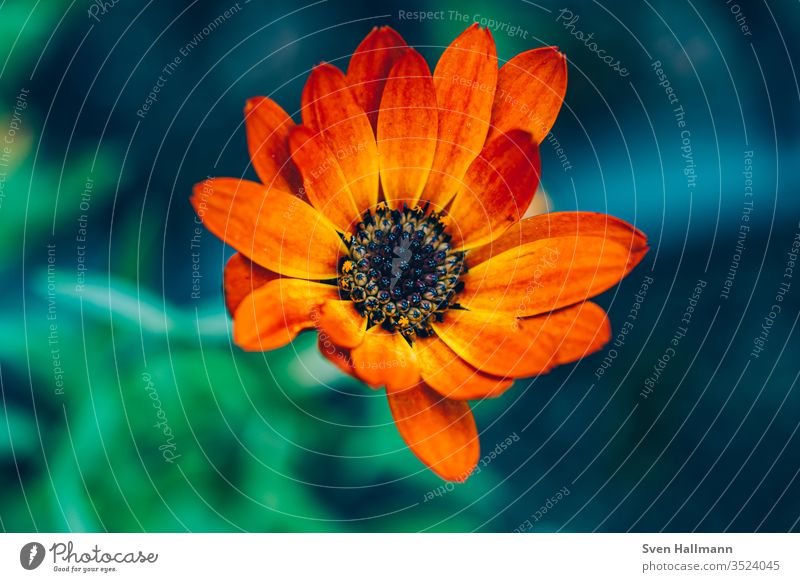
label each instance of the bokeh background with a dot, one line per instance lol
(98, 254)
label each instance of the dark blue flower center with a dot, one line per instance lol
(401, 271)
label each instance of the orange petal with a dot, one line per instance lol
(339, 321)
(323, 180)
(242, 277)
(444, 371)
(370, 65)
(407, 129)
(465, 80)
(275, 229)
(268, 128)
(550, 273)
(441, 432)
(385, 359)
(273, 315)
(589, 330)
(530, 91)
(557, 224)
(497, 190)
(508, 347)
(330, 107)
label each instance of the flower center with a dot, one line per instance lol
(400, 271)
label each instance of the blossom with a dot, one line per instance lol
(392, 222)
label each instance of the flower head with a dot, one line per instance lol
(391, 221)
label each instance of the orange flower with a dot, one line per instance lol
(391, 221)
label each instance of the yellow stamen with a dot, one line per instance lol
(347, 267)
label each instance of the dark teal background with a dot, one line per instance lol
(284, 442)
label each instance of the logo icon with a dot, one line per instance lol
(31, 555)
(404, 255)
